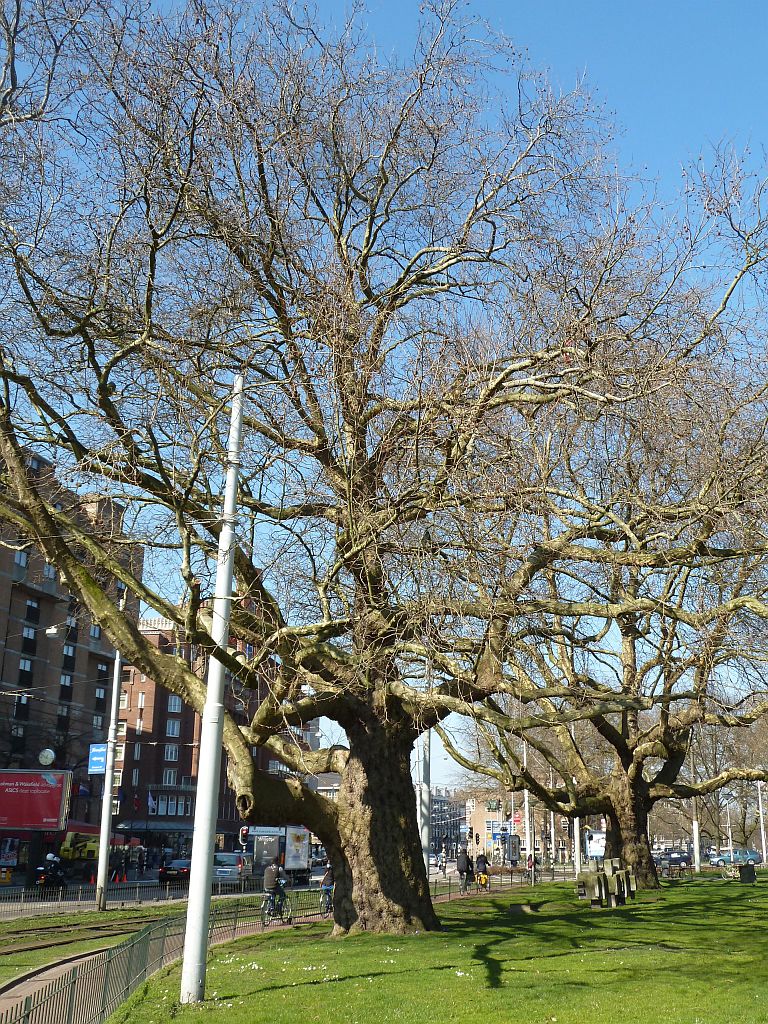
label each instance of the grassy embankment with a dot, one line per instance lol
(695, 953)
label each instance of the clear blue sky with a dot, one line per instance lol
(677, 76)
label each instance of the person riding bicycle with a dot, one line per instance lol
(326, 885)
(274, 882)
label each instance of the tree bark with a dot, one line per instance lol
(627, 830)
(381, 879)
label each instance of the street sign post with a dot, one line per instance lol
(97, 758)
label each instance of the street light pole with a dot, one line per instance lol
(760, 811)
(211, 732)
(105, 831)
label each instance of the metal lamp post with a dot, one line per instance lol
(212, 729)
(102, 868)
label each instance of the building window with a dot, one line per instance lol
(124, 700)
(17, 729)
(162, 804)
(21, 558)
(142, 697)
(171, 804)
(65, 693)
(169, 776)
(65, 679)
(25, 671)
(98, 721)
(95, 631)
(135, 777)
(120, 753)
(49, 571)
(100, 693)
(139, 727)
(171, 752)
(115, 806)
(188, 806)
(136, 751)
(21, 707)
(173, 727)
(117, 778)
(32, 613)
(29, 639)
(122, 728)
(151, 805)
(174, 703)
(102, 672)
(69, 651)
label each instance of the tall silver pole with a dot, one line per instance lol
(102, 867)
(760, 811)
(425, 796)
(211, 731)
(730, 832)
(525, 803)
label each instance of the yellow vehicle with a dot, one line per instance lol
(79, 846)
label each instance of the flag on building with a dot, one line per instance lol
(83, 789)
(151, 803)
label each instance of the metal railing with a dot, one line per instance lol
(91, 990)
(17, 902)
(94, 988)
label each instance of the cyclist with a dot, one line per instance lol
(326, 888)
(274, 880)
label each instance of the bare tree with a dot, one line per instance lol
(442, 299)
(654, 588)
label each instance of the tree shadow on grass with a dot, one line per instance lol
(679, 919)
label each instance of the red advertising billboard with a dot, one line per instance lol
(34, 800)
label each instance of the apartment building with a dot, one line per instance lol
(158, 752)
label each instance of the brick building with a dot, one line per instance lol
(158, 749)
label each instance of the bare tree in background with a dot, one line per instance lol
(664, 604)
(445, 306)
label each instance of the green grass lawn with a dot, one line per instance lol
(64, 935)
(695, 953)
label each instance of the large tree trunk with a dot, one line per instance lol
(379, 865)
(627, 832)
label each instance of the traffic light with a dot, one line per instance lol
(477, 838)
(243, 835)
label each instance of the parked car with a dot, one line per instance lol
(675, 858)
(232, 865)
(740, 856)
(175, 872)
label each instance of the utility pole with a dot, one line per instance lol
(212, 728)
(425, 796)
(760, 812)
(105, 831)
(527, 815)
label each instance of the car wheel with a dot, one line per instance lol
(752, 862)
(721, 863)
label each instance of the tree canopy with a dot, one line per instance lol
(487, 428)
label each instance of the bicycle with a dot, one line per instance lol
(326, 900)
(274, 908)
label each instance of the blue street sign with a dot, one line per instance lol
(97, 758)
